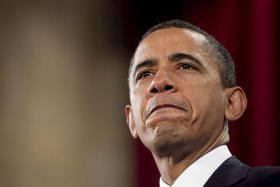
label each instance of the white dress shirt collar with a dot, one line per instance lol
(197, 174)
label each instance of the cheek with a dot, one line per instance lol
(204, 96)
(138, 104)
(140, 95)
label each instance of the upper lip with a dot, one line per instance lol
(156, 107)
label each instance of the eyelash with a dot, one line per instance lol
(184, 64)
(142, 75)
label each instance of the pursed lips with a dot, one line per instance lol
(165, 106)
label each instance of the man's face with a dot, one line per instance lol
(177, 99)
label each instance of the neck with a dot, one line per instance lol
(171, 168)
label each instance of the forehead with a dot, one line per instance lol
(170, 39)
(167, 41)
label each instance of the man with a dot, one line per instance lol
(182, 94)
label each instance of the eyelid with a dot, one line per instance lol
(140, 73)
(185, 63)
(192, 66)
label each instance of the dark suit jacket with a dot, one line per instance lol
(234, 173)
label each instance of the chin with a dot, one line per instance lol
(164, 143)
(177, 150)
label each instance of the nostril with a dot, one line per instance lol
(154, 90)
(168, 87)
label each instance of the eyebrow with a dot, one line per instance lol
(146, 63)
(173, 57)
(183, 56)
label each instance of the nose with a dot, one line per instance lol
(162, 82)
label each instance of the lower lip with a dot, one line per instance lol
(166, 114)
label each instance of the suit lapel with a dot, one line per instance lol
(229, 173)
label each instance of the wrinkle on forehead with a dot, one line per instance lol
(196, 37)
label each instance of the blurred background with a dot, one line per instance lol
(63, 70)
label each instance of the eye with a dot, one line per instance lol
(184, 66)
(143, 74)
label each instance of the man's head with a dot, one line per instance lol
(182, 90)
(218, 52)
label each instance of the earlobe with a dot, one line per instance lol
(130, 121)
(236, 103)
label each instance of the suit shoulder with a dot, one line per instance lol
(264, 171)
(263, 176)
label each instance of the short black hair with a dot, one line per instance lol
(217, 50)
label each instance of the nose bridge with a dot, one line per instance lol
(163, 81)
(163, 75)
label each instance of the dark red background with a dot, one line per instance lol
(248, 29)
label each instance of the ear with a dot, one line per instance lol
(130, 121)
(236, 103)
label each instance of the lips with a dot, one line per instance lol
(165, 101)
(164, 106)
